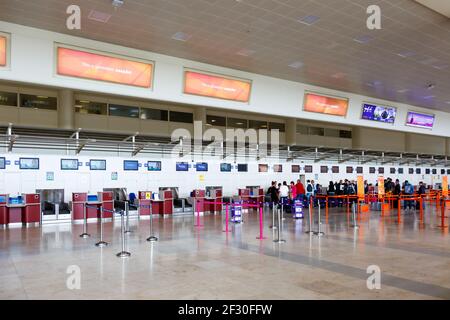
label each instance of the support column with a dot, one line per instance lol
(66, 112)
(291, 131)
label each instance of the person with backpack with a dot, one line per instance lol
(409, 191)
(309, 191)
(421, 193)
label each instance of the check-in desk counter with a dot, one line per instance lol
(198, 196)
(256, 195)
(78, 201)
(145, 202)
(215, 195)
(244, 194)
(167, 202)
(25, 209)
(107, 202)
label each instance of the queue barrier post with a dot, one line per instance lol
(421, 209)
(355, 223)
(319, 232)
(227, 230)
(152, 237)
(123, 253)
(101, 243)
(280, 228)
(127, 212)
(273, 226)
(261, 225)
(399, 210)
(84, 235)
(443, 209)
(197, 210)
(310, 213)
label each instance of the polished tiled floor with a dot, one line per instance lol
(192, 263)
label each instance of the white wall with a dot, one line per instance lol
(13, 180)
(32, 61)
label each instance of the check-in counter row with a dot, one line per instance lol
(24, 209)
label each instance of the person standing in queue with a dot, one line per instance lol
(396, 192)
(284, 193)
(273, 192)
(309, 191)
(300, 190)
(293, 191)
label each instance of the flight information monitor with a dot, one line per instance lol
(225, 167)
(201, 166)
(308, 169)
(242, 167)
(97, 164)
(2, 163)
(182, 166)
(295, 168)
(130, 165)
(69, 164)
(277, 168)
(263, 168)
(29, 163)
(154, 166)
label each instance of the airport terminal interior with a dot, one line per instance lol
(224, 149)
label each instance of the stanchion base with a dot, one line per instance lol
(123, 254)
(273, 227)
(198, 226)
(261, 238)
(129, 231)
(309, 232)
(226, 231)
(101, 244)
(85, 235)
(279, 241)
(152, 239)
(354, 226)
(319, 234)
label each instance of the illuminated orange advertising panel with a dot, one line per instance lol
(82, 64)
(216, 87)
(2, 51)
(445, 186)
(360, 182)
(326, 105)
(380, 187)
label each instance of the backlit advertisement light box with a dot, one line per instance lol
(96, 66)
(378, 113)
(325, 104)
(3, 48)
(420, 120)
(215, 86)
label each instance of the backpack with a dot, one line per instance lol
(309, 188)
(409, 189)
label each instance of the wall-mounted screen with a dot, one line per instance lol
(98, 66)
(308, 169)
(401, 171)
(325, 104)
(349, 170)
(69, 164)
(381, 170)
(335, 169)
(295, 168)
(418, 171)
(29, 163)
(420, 120)
(97, 164)
(372, 170)
(411, 170)
(392, 170)
(182, 166)
(323, 169)
(442, 170)
(201, 166)
(263, 168)
(277, 168)
(130, 165)
(3, 50)
(378, 113)
(216, 86)
(242, 167)
(359, 170)
(225, 167)
(153, 165)
(448, 171)
(434, 171)
(2, 163)
(427, 171)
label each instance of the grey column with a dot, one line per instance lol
(66, 112)
(291, 131)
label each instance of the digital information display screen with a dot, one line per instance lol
(29, 163)
(326, 105)
(308, 169)
(372, 170)
(381, 170)
(182, 166)
(420, 120)
(263, 168)
(225, 167)
(323, 169)
(97, 66)
(242, 167)
(295, 168)
(2, 163)
(153, 165)
(69, 164)
(215, 86)
(335, 169)
(201, 166)
(97, 164)
(359, 170)
(378, 113)
(277, 168)
(130, 165)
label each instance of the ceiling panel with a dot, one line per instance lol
(397, 62)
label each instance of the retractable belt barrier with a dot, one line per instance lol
(123, 253)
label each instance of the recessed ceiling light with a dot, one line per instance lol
(339, 75)
(296, 64)
(309, 20)
(245, 52)
(181, 36)
(406, 54)
(99, 16)
(363, 39)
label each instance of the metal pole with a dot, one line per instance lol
(261, 227)
(273, 226)
(310, 218)
(319, 233)
(282, 211)
(123, 253)
(101, 243)
(280, 229)
(127, 211)
(152, 238)
(226, 219)
(84, 235)
(354, 225)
